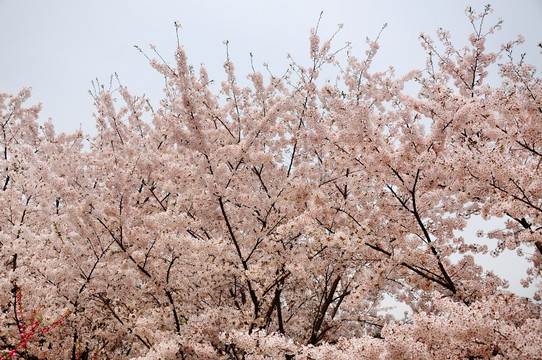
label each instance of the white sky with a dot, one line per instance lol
(59, 47)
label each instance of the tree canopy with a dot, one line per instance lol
(273, 220)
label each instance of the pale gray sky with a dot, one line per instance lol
(58, 47)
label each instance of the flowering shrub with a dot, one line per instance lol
(30, 327)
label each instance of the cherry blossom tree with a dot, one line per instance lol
(273, 220)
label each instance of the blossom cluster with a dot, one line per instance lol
(277, 220)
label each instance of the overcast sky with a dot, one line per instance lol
(58, 47)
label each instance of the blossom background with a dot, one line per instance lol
(59, 47)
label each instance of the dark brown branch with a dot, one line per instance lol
(251, 291)
(396, 173)
(152, 188)
(418, 270)
(340, 299)
(89, 276)
(344, 192)
(493, 183)
(349, 215)
(279, 280)
(526, 225)
(401, 201)
(316, 328)
(275, 304)
(118, 241)
(232, 235)
(526, 146)
(6, 183)
(291, 159)
(258, 173)
(451, 285)
(279, 312)
(173, 258)
(258, 242)
(175, 315)
(227, 128)
(107, 303)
